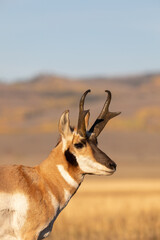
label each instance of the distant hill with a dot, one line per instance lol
(36, 104)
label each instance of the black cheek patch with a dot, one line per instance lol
(71, 158)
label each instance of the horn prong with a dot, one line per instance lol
(81, 129)
(104, 116)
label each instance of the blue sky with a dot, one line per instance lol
(78, 38)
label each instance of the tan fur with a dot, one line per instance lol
(36, 183)
(85, 151)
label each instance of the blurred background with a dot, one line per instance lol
(50, 53)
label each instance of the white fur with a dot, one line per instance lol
(13, 211)
(65, 142)
(46, 234)
(67, 195)
(87, 165)
(54, 201)
(67, 177)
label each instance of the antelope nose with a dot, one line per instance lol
(112, 165)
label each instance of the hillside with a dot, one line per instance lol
(30, 111)
(35, 105)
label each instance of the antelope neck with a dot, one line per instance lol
(61, 173)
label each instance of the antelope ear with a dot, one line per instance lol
(64, 125)
(87, 119)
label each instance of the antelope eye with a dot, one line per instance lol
(78, 145)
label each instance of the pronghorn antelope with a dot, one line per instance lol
(32, 197)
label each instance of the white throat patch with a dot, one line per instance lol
(67, 176)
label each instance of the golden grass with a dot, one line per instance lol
(107, 209)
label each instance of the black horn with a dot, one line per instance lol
(81, 129)
(103, 117)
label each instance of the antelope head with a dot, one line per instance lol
(80, 145)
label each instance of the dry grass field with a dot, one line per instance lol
(109, 209)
